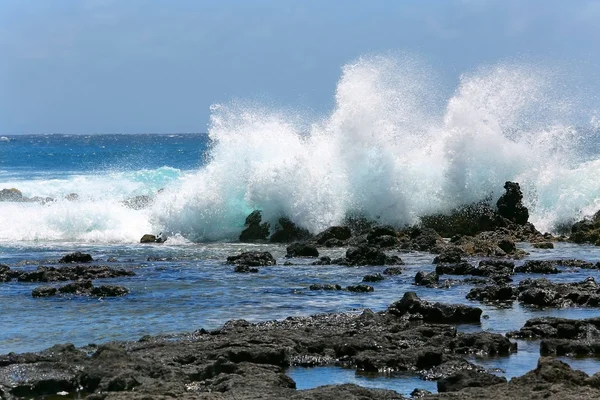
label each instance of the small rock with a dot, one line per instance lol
(77, 257)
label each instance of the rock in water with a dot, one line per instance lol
(287, 232)
(77, 257)
(255, 230)
(252, 259)
(299, 249)
(412, 306)
(510, 205)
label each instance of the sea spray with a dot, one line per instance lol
(389, 150)
(385, 152)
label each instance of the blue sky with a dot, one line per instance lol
(109, 66)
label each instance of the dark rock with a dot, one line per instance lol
(586, 230)
(587, 330)
(325, 287)
(77, 257)
(392, 271)
(422, 239)
(492, 293)
(360, 288)
(417, 393)
(301, 249)
(411, 305)
(385, 242)
(82, 287)
(255, 230)
(510, 205)
(70, 273)
(494, 268)
(429, 279)
(465, 220)
(543, 245)
(339, 233)
(373, 278)
(44, 291)
(287, 232)
(383, 237)
(245, 269)
(109, 291)
(461, 268)
(367, 255)
(464, 379)
(252, 259)
(543, 293)
(538, 267)
(335, 243)
(323, 261)
(449, 255)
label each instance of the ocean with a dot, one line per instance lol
(385, 151)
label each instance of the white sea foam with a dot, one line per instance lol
(387, 150)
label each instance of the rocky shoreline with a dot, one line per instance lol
(243, 360)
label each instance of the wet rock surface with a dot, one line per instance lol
(252, 259)
(367, 255)
(544, 293)
(69, 273)
(255, 230)
(247, 360)
(411, 306)
(77, 257)
(81, 288)
(586, 230)
(551, 379)
(300, 249)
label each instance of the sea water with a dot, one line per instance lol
(391, 149)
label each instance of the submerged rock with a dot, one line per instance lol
(360, 288)
(81, 288)
(244, 269)
(373, 278)
(252, 259)
(70, 273)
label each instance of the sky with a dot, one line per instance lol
(111, 66)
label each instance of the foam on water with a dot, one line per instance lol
(388, 150)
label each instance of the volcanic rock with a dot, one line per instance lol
(302, 249)
(77, 257)
(252, 259)
(255, 230)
